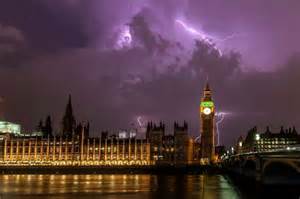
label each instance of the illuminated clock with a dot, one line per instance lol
(206, 111)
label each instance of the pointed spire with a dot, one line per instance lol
(48, 126)
(70, 102)
(268, 130)
(294, 130)
(207, 88)
(185, 125)
(207, 92)
(281, 130)
(69, 122)
(255, 129)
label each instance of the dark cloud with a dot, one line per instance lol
(206, 60)
(102, 95)
(250, 98)
(142, 34)
(12, 47)
(68, 46)
(45, 29)
(268, 28)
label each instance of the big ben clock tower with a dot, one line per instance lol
(207, 130)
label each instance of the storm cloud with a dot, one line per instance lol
(54, 48)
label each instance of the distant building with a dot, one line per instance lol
(32, 134)
(9, 128)
(267, 141)
(219, 151)
(125, 134)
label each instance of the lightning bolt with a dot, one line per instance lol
(200, 34)
(232, 36)
(203, 36)
(139, 121)
(222, 117)
(124, 38)
(206, 37)
(197, 138)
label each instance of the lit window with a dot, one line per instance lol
(257, 137)
(240, 144)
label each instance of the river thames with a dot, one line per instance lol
(129, 187)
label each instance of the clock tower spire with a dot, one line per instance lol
(207, 129)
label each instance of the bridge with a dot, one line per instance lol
(274, 167)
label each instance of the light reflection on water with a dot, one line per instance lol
(116, 186)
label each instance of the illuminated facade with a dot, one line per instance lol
(267, 141)
(9, 128)
(207, 117)
(104, 150)
(74, 146)
(176, 149)
(77, 150)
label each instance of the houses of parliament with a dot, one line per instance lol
(74, 146)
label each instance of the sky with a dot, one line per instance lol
(150, 59)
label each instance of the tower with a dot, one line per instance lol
(182, 154)
(207, 130)
(68, 121)
(155, 135)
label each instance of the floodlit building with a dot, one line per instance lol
(9, 128)
(74, 145)
(175, 149)
(267, 141)
(75, 150)
(125, 134)
(80, 149)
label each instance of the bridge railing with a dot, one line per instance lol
(289, 149)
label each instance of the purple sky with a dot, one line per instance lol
(125, 59)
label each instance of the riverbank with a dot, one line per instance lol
(161, 169)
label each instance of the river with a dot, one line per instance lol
(130, 187)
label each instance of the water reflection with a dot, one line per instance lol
(118, 186)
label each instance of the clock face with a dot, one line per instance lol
(206, 111)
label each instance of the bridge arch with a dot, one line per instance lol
(280, 167)
(250, 165)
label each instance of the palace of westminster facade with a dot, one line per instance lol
(76, 147)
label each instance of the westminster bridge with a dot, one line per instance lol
(274, 167)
